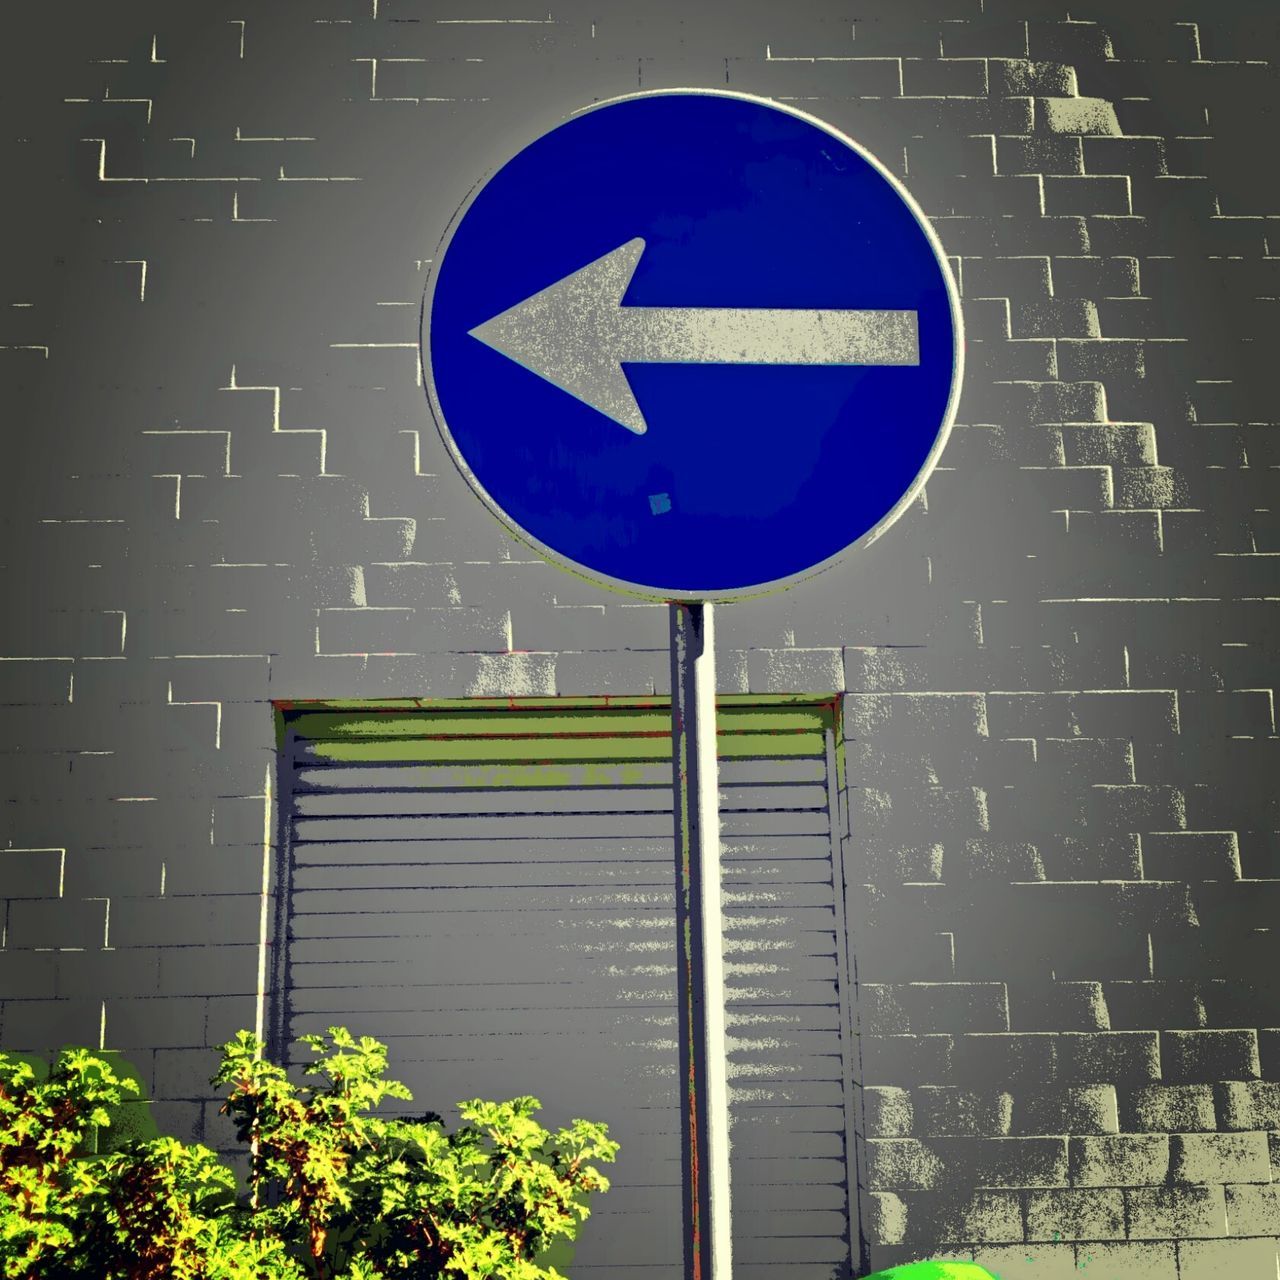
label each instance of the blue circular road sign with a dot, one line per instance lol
(692, 344)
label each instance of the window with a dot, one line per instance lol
(488, 886)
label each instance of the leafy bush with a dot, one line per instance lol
(334, 1192)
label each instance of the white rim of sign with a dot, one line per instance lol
(642, 590)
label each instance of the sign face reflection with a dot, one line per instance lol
(692, 344)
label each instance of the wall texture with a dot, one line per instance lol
(221, 486)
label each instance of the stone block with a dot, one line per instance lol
(1162, 1213)
(949, 1111)
(888, 1111)
(1078, 1109)
(1092, 1214)
(1214, 1259)
(1191, 1057)
(1120, 1160)
(1219, 1157)
(1164, 1108)
(901, 1163)
(1248, 1104)
(1253, 1209)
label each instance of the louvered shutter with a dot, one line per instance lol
(491, 892)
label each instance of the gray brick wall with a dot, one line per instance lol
(221, 486)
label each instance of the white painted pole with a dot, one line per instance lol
(703, 1068)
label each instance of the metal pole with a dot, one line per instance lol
(705, 1128)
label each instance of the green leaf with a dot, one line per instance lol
(385, 1198)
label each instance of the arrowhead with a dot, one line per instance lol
(570, 333)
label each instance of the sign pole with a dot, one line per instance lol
(700, 974)
(826, 304)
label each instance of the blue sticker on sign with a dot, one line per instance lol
(701, 306)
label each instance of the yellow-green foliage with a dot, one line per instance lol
(335, 1193)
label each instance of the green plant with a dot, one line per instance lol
(334, 1192)
(43, 1123)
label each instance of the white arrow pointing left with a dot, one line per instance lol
(577, 335)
